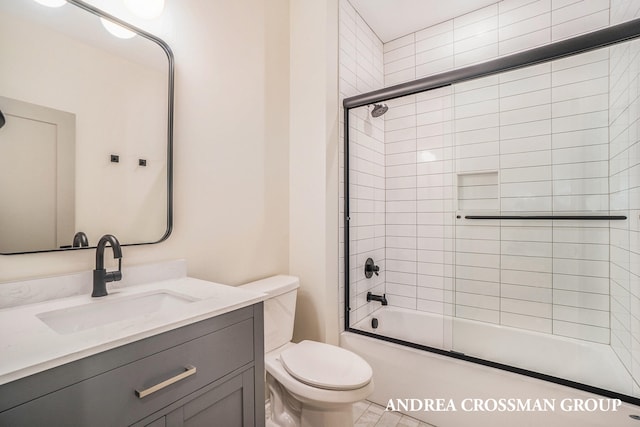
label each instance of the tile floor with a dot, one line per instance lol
(368, 414)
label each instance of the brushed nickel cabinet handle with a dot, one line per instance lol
(189, 370)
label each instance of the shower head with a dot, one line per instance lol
(378, 110)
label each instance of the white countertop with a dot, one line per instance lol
(29, 346)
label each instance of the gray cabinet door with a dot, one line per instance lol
(160, 422)
(231, 404)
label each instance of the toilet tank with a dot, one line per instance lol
(279, 308)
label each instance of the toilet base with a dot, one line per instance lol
(287, 411)
(336, 417)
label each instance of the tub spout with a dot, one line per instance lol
(380, 298)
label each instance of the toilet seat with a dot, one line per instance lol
(326, 366)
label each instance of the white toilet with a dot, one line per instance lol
(310, 384)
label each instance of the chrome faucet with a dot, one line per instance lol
(100, 275)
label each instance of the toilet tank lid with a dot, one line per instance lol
(274, 285)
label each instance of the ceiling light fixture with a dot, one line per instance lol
(52, 3)
(146, 9)
(116, 29)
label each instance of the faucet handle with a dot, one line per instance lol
(114, 276)
(370, 268)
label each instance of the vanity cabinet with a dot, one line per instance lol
(207, 373)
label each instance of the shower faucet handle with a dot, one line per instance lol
(370, 268)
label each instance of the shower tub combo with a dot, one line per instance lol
(502, 237)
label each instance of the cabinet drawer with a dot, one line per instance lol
(110, 399)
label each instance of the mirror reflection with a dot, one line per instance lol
(84, 130)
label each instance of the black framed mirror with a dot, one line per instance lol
(86, 147)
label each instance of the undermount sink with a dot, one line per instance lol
(100, 313)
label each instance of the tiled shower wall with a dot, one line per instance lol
(509, 143)
(624, 154)
(361, 70)
(540, 276)
(518, 143)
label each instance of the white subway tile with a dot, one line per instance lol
(580, 138)
(525, 99)
(401, 277)
(431, 294)
(400, 289)
(536, 249)
(485, 37)
(588, 203)
(513, 11)
(477, 55)
(524, 160)
(404, 206)
(523, 145)
(399, 42)
(526, 263)
(530, 308)
(403, 302)
(581, 251)
(526, 278)
(580, 25)
(526, 114)
(526, 189)
(434, 67)
(541, 294)
(478, 301)
(526, 234)
(476, 164)
(579, 73)
(581, 171)
(524, 42)
(434, 41)
(580, 121)
(402, 182)
(473, 313)
(434, 30)
(582, 316)
(477, 136)
(570, 10)
(581, 235)
(478, 246)
(581, 267)
(476, 22)
(528, 129)
(400, 53)
(477, 260)
(478, 273)
(395, 218)
(521, 174)
(581, 283)
(398, 77)
(590, 153)
(526, 322)
(512, 86)
(580, 89)
(581, 300)
(585, 332)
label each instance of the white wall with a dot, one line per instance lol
(313, 163)
(231, 145)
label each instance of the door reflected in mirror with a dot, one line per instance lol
(87, 135)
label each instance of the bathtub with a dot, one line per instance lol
(470, 391)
